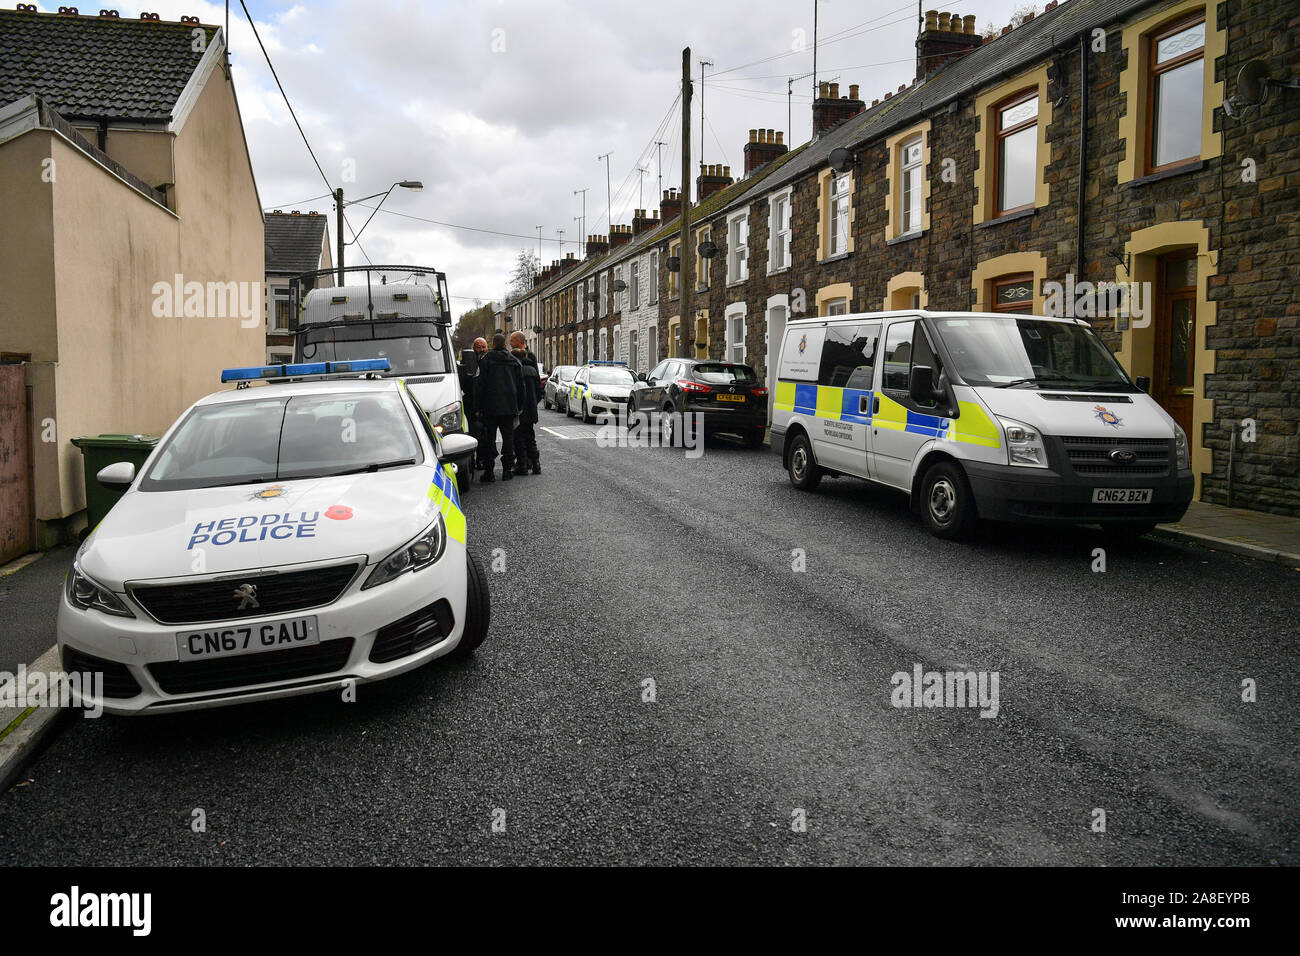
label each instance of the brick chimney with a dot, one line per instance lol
(946, 37)
(764, 146)
(641, 223)
(620, 235)
(568, 262)
(670, 206)
(596, 246)
(712, 179)
(830, 109)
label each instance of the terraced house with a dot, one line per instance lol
(1023, 172)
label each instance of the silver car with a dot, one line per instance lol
(556, 393)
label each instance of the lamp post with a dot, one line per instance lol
(412, 184)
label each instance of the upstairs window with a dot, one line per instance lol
(636, 286)
(701, 263)
(910, 186)
(1016, 149)
(1177, 59)
(654, 277)
(780, 233)
(838, 227)
(738, 248)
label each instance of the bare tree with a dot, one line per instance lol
(526, 266)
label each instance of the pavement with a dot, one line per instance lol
(1254, 534)
(692, 662)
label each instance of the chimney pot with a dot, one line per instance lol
(780, 138)
(944, 22)
(853, 91)
(835, 91)
(931, 19)
(823, 90)
(753, 136)
(968, 22)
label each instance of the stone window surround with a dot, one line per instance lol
(986, 103)
(788, 195)
(823, 215)
(893, 179)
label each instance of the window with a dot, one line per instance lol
(604, 293)
(633, 359)
(590, 354)
(839, 219)
(1016, 151)
(779, 232)
(654, 277)
(702, 264)
(1177, 61)
(652, 347)
(907, 346)
(603, 354)
(738, 247)
(636, 286)
(279, 358)
(674, 276)
(911, 197)
(618, 343)
(736, 333)
(848, 356)
(280, 316)
(1014, 293)
(658, 371)
(836, 307)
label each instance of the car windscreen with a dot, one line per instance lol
(611, 376)
(305, 436)
(1018, 350)
(410, 347)
(724, 373)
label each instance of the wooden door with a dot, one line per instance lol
(1174, 364)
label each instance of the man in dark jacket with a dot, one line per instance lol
(499, 391)
(526, 452)
(475, 419)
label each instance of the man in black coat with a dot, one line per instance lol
(499, 391)
(526, 452)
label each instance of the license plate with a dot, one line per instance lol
(1121, 496)
(731, 398)
(247, 638)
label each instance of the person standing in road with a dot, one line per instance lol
(526, 452)
(476, 418)
(499, 389)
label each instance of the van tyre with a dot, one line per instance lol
(478, 609)
(947, 505)
(804, 471)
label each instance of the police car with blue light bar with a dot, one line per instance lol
(300, 536)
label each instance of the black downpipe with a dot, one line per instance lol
(1083, 152)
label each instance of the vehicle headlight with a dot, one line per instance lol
(1181, 450)
(1024, 444)
(412, 556)
(447, 419)
(85, 593)
(599, 397)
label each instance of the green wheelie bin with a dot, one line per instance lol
(100, 450)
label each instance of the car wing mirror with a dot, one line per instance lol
(457, 446)
(921, 388)
(117, 476)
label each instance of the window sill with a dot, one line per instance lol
(1195, 166)
(838, 257)
(1009, 217)
(777, 272)
(735, 282)
(905, 237)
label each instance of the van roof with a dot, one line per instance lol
(392, 301)
(860, 316)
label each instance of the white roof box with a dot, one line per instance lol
(354, 303)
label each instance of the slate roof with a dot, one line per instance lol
(88, 67)
(293, 242)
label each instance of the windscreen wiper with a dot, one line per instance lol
(372, 467)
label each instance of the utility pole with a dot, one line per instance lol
(338, 204)
(703, 64)
(659, 164)
(687, 320)
(609, 210)
(583, 223)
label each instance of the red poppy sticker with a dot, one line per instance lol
(338, 512)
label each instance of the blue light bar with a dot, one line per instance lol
(303, 370)
(606, 362)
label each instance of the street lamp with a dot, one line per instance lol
(412, 184)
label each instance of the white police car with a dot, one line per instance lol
(280, 540)
(600, 387)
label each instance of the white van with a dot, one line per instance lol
(1006, 417)
(407, 323)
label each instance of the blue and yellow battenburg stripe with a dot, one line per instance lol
(973, 426)
(444, 493)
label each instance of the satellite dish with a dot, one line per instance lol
(619, 285)
(1252, 84)
(708, 249)
(841, 159)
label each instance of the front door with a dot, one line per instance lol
(1175, 337)
(775, 336)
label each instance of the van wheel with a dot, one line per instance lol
(464, 468)
(568, 410)
(804, 471)
(546, 403)
(947, 505)
(478, 609)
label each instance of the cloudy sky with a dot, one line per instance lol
(501, 107)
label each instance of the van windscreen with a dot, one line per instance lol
(1014, 351)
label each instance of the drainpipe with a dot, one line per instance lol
(1083, 152)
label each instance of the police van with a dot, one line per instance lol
(301, 536)
(406, 322)
(1005, 417)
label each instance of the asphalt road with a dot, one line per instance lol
(1118, 691)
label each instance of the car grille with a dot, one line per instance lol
(268, 667)
(198, 602)
(413, 633)
(118, 682)
(1089, 456)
